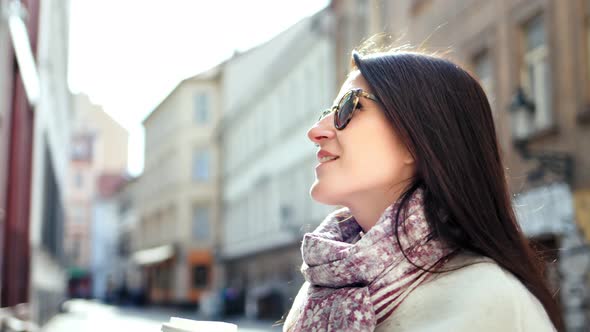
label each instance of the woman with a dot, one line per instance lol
(428, 240)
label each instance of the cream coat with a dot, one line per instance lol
(481, 297)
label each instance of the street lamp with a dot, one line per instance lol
(522, 111)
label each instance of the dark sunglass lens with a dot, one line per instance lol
(346, 108)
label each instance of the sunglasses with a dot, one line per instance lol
(346, 106)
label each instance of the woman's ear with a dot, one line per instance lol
(408, 157)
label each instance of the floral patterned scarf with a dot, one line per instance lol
(357, 281)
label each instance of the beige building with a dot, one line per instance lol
(111, 138)
(269, 163)
(541, 47)
(98, 146)
(178, 202)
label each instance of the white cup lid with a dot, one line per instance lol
(187, 325)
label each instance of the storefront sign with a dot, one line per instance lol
(545, 210)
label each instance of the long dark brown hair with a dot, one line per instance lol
(443, 115)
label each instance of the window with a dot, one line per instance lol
(201, 108)
(273, 113)
(484, 69)
(200, 165)
(535, 73)
(289, 198)
(201, 223)
(82, 148)
(200, 276)
(78, 180)
(163, 277)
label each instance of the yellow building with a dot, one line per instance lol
(178, 193)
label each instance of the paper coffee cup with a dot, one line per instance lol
(187, 325)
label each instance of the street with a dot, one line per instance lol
(93, 316)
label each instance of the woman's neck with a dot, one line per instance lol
(367, 209)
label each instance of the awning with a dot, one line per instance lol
(75, 272)
(153, 255)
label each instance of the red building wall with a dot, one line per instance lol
(16, 247)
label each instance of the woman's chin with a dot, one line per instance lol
(323, 196)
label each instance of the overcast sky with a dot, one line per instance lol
(128, 54)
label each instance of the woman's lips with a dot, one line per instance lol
(326, 162)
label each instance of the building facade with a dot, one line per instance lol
(268, 164)
(98, 147)
(17, 130)
(531, 50)
(53, 124)
(35, 118)
(178, 203)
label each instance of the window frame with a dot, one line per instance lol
(194, 222)
(195, 174)
(207, 277)
(520, 14)
(537, 57)
(198, 109)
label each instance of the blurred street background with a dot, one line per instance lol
(94, 316)
(154, 162)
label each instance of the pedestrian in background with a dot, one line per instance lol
(427, 239)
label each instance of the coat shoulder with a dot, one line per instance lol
(479, 295)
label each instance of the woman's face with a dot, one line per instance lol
(371, 159)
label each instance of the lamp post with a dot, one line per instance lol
(522, 111)
(574, 266)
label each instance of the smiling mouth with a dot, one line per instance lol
(327, 159)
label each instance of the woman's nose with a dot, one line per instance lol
(321, 130)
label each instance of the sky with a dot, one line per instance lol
(127, 55)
